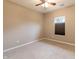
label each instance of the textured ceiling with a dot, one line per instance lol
(31, 4)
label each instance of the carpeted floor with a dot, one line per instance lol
(43, 49)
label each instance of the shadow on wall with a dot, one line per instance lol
(22, 34)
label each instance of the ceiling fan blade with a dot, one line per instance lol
(38, 4)
(43, 1)
(52, 4)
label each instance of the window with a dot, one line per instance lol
(59, 25)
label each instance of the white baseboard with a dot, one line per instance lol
(6, 50)
(59, 41)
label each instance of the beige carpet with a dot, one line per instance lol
(43, 49)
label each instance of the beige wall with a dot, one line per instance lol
(68, 12)
(21, 25)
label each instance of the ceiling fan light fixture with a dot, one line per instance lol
(51, 0)
(45, 5)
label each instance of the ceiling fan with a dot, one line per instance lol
(45, 3)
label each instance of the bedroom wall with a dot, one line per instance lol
(49, 29)
(21, 25)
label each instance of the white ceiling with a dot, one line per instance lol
(31, 4)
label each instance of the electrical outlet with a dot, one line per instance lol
(5, 57)
(17, 41)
